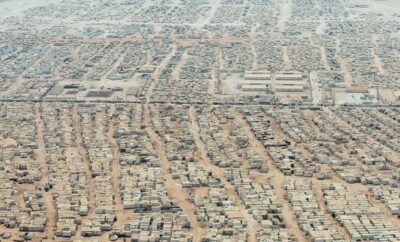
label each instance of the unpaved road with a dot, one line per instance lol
(174, 191)
(278, 180)
(218, 172)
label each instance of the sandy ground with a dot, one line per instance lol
(369, 139)
(178, 67)
(122, 214)
(8, 142)
(20, 79)
(174, 191)
(85, 161)
(386, 7)
(322, 26)
(343, 65)
(218, 172)
(49, 203)
(316, 188)
(156, 75)
(286, 59)
(377, 61)
(278, 180)
(204, 20)
(364, 189)
(113, 67)
(285, 14)
(316, 92)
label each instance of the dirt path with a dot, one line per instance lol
(116, 64)
(324, 58)
(156, 75)
(122, 215)
(48, 200)
(285, 57)
(317, 190)
(253, 35)
(20, 79)
(316, 91)
(178, 67)
(347, 78)
(354, 187)
(278, 180)
(218, 172)
(285, 14)
(308, 116)
(377, 61)
(368, 139)
(75, 53)
(389, 216)
(219, 64)
(205, 20)
(174, 191)
(363, 189)
(85, 161)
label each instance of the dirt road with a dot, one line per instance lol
(218, 172)
(48, 200)
(278, 180)
(174, 191)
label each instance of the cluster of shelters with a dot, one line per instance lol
(236, 56)
(312, 219)
(218, 208)
(262, 203)
(176, 172)
(22, 206)
(333, 42)
(98, 149)
(388, 196)
(67, 180)
(187, 76)
(214, 208)
(353, 211)
(142, 187)
(280, 142)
